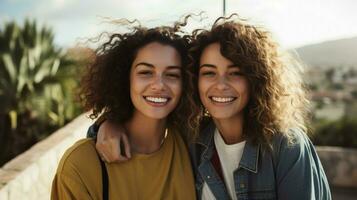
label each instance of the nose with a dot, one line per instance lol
(158, 84)
(222, 83)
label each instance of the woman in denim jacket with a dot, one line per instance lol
(252, 142)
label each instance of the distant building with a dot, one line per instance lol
(351, 108)
(331, 95)
(330, 111)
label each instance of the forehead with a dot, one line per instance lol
(158, 54)
(211, 55)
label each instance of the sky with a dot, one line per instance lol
(293, 23)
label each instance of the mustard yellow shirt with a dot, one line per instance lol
(164, 174)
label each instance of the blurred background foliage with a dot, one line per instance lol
(37, 86)
(341, 132)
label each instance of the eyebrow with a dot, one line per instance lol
(152, 66)
(214, 66)
(146, 64)
(174, 67)
(208, 65)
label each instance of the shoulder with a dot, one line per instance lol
(80, 154)
(176, 139)
(298, 169)
(78, 173)
(294, 141)
(295, 150)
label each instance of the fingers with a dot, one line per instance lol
(116, 154)
(126, 143)
(103, 157)
(101, 153)
(109, 138)
(108, 154)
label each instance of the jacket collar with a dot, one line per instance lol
(205, 137)
(250, 157)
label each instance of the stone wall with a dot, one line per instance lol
(29, 175)
(340, 165)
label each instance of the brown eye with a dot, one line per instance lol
(208, 73)
(236, 74)
(173, 75)
(145, 72)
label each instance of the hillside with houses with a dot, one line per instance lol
(331, 75)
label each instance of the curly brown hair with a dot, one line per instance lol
(105, 87)
(277, 95)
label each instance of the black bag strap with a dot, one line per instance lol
(105, 180)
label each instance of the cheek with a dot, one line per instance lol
(244, 90)
(132, 80)
(245, 87)
(138, 84)
(133, 85)
(202, 87)
(134, 91)
(176, 88)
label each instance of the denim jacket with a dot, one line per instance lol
(289, 171)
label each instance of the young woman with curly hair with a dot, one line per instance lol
(140, 80)
(252, 142)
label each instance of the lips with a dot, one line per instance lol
(222, 100)
(157, 100)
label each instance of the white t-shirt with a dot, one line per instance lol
(229, 156)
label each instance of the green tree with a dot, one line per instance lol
(337, 86)
(342, 132)
(354, 94)
(330, 73)
(36, 84)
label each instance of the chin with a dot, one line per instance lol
(157, 115)
(221, 114)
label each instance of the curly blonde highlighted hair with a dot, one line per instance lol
(278, 99)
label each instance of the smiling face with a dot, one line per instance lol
(223, 89)
(155, 80)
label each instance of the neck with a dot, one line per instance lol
(231, 129)
(145, 134)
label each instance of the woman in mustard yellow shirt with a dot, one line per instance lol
(138, 79)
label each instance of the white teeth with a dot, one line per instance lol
(222, 99)
(157, 99)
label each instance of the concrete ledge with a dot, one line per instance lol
(340, 165)
(29, 175)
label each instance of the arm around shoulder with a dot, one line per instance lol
(299, 173)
